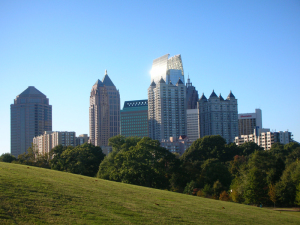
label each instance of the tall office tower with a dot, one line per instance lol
(170, 69)
(218, 116)
(31, 115)
(104, 111)
(166, 110)
(249, 121)
(191, 95)
(134, 118)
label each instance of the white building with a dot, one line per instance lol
(50, 139)
(218, 116)
(249, 121)
(167, 110)
(265, 138)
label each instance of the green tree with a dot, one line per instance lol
(272, 193)
(248, 148)
(84, 159)
(7, 157)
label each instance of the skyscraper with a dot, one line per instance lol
(218, 116)
(170, 69)
(249, 121)
(104, 111)
(191, 95)
(31, 115)
(166, 110)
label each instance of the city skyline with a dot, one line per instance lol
(61, 48)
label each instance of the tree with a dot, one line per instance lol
(146, 164)
(205, 148)
(7, 157)
(248, 148)
(84, 159)
(272, 193)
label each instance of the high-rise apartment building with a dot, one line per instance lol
(191, 95)
(169, 69)
(249, 121)
(31, 115)
(50, 139)
(218, 116)
(81, 139)
(104, 111)
(134, 118)
(166, 109)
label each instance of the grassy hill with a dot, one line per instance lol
(30, 195)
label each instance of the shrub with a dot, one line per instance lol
(224, 196)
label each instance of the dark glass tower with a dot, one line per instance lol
(191, 95)
(31, 115)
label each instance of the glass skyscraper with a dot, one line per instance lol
(170, 69)
(31, 115)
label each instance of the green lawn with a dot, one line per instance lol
(30, 195)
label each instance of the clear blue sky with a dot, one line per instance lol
(63, 47)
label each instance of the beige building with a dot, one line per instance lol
(265, 138)
(50, 139)
(81, 139)
(176, 145)
(104, 118)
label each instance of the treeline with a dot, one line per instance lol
(209, 168)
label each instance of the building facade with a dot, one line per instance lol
(31, 115)
(50, 139)
(134, 118)
(218, 116)
(176, 145)
(249, 121)
(191, 95)
(192, 124)
(169, 69)
(265, 138)
(81, 139)
(167, 110)
(104, 112)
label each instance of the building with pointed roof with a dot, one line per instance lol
(191, 95)
(218, 116)
(104, 112)
(31, 115)
(167, 110)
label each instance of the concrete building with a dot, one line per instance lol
(191, 95)
(167, 109)
(50, 139)
(249, 121)
(192, 124)
(265, 138)
(104, 112)
(134, 118)
(31, 115)
(169, 69)
(176, 145)
(81, 139)
(218, 116)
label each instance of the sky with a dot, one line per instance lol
(62, 47)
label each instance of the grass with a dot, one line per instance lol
(30, 195)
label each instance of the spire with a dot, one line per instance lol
(202, 97)
(170, 82)
(106, 80)
(152, 84)
(162, 80)
(213, 94)
(179, 82)
(98, 83)
(188, 83)
(221, 98)
(230, 96)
